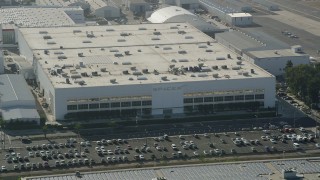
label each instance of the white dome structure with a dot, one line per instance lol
(174, 14)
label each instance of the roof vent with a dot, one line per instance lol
(43, 32)
(86, 41)
(47, 37)
(126, 63)
(103, 69)
(167, 48)
(145, 71)
(173, 27)
(156, 33)
(202, 46)
(109, 30)
(236, 68)
(114, 50)
(142, 28)
(224, 67)
(239, 62)
(164, 78)
(51, 42)
(77, 31)
(183, 60)
(202, 75)
(142, 78)
(182, 52)
(220, 58)
(181, 32)
(188, 37)
(121, 40)
(216, 75)
(155, 39)
(137, 73)
(113, 80)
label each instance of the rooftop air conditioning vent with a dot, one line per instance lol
(114, 50)
(84, 74)
(205, 69)
(155, 39)
(121, 40)
(43, 32)
(130, 79)
(146, 71)
(115, 63)
(94, 73)
(133, 68)
(245, 73)
(239, 62)
(171, 66)
(75, 76)
(216, 75)
(173, 60)
(183, 60)
(118, 55)
(209, 50)
(77, 31)
(58, 52)
(224, 67)
(215, 67)
(220, 58)
(202, 75)
(126, 63)
(80, 55)
(142, 78)
(156, 33)
(167, 48)
(236, 68)
(113, 80)
(188, 37)
(181, 32)
(192, 75)
(142, 28)
(124, 34)
(103, 69)
(51, 42)
(90, 35)
(173, 27)
(125, 72)
(182, 52)
(164, 78)
(47, 37)
(62, 57)
(202, 46)
(137, 73)
(86, 41)
(82, 83)
(227, 76)
(109, 30)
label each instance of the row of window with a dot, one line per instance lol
(109, 105)
(223, 98)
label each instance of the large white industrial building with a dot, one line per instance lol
(177, 14)
(147, 69)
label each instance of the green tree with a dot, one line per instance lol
(77, 127)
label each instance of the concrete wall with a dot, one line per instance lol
(24, 48)
(163, 95)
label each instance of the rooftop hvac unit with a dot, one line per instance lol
(115, 63)
(182, 52)
(84, 74)
(209, 50)
(130, 78)
(181, 32)
(62, 57)
(103, 69)
(202, 46)
(43, 32)
(188, 37)
(121, 40)
(156, 33)
(224, 67)
(171, 66)
(229, 56)
(142, 78)
(202, 75)
(46, 52)
(90, 35)
(155, 39)
(145, 71)
(125, 72)
(236, 68)
(94, 73)
(80, 55)
(183, 60)
(113, 80)
(215, 67)
(118, 55)
(173, 27)
(82, 82)
(245, 73)
(137, 73)
(113, 50)
(164, 78)
(239, 57)
(109, 30)
(220, 58)
(239, 62)
(126, 63)
(173, 60)
(75, 76)
(77, 31)
(216, 75)
(192, 75)
(124, 34)
(167, 48)
(47, 37)
(142, 28)
(86, 41)
(201, 64)
(133, 68)
(252, 71)
(127, 53)
(205, 69)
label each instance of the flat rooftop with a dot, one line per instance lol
(35, 17)
(224, 171)
(56, 2)
(240, 15)
(275, 53)
(134, 54)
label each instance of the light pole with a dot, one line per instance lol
(283, 154)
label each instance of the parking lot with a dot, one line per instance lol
(63, 153)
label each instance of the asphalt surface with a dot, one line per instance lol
(201, 142)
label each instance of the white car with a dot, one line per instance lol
(173, 146)
(110, 152)
(205, 152)
(31, 154)
(317, 145)
(3, 168)
(196, 153)
(302, 129)
(263, 138)
(273, 141)
(141, 157)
